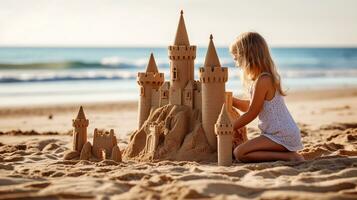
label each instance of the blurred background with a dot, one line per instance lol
(64, 52)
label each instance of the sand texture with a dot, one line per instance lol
(167, 139)
(32, 165)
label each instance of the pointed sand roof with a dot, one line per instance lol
(181, 33)
(165, 85)
(151, 67)
(81, 114)
(189, 85)
(223, 117)
(211, 59)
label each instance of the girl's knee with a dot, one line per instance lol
(235, 153)
(239, 152)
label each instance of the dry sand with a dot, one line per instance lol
(33, 140)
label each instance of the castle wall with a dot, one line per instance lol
(144, 103)
(103, 141)
(155, 98)
(197, 94)
(164, 101)
(153, 138)
(164, 93)
(197, 103)
(175, 96)
(188, 98)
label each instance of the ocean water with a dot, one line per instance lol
(37, 76)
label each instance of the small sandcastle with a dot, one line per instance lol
(104, 142)
(179, 119)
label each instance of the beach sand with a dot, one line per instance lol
(33, 140)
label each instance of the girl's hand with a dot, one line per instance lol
(239, 136)
(239, 132)
(241, 104)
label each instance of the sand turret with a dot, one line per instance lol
(213, 78)
(182, 56)
(148, 81)
(80, 125)
(224, 132)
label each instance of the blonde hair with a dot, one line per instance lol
(252, 53)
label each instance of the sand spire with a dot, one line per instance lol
(181, 33)
(223, 118)
(151, 67)
(211, 59)
(81, 114)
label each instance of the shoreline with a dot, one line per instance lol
(295, 95)
(69, 93)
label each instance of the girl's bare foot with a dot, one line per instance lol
(297, 157)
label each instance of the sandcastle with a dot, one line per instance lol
(177, 119)
(104, 142)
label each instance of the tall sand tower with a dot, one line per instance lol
(149, 80)
(182, 56)
(224, 131)
(80, 125)
(213, 78)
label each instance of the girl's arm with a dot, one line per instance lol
(261, 88)
(241, 104)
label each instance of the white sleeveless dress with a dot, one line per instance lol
(276, 123)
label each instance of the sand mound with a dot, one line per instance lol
(337, 139)
(166, 138)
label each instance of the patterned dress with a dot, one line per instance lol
(276, 123)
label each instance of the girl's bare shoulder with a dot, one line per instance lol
(265, 81)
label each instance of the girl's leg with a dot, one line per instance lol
(264, 149)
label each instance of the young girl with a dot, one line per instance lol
(280, 136)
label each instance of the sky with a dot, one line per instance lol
(291, 23)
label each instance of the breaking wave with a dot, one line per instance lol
(114, 74)
(104, 63)
(68, 65)
(118, 68)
